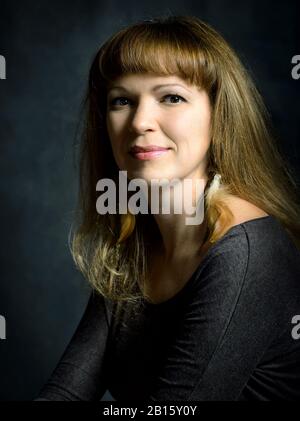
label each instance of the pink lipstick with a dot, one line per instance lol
(147, 152)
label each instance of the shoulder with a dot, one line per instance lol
(259, 239)
(243, 210)
(255, 230)
(256, 254)
(253, 271)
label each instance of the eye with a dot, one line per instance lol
(113, 101)
(175, 96)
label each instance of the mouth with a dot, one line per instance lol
(147, 152)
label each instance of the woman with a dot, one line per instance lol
(183, 312)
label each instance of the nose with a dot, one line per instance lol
(143, 118)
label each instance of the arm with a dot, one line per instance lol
(80, 373)
(232, 317)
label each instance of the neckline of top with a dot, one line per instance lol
(180, 292)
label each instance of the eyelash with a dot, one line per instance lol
(122, 97)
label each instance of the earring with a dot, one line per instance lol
(215, 184)
(217, 180)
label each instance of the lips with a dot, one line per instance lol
(150, 148)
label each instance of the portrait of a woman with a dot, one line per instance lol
(179, 312)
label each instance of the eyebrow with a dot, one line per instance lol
(155, 88)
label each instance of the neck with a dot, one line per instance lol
(177, 237)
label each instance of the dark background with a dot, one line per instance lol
(48, 46)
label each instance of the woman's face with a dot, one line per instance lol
(145, 110)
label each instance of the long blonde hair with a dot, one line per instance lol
(112, 250)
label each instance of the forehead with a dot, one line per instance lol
(147, 80)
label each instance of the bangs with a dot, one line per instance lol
(162, 50)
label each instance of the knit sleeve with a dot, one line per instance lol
(80, 374)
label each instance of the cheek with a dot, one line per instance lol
(191, 132)
(116, 128)
(113, 132)
(110, 127)
(200, 122)
(113, 139)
